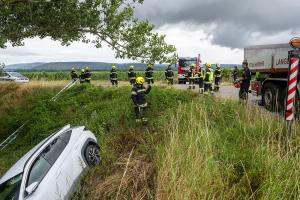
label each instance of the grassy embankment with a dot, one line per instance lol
(206, 148)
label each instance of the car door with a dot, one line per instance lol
(52, 183)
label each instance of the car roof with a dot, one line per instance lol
(18, 167)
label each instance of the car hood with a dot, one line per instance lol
(18, 167)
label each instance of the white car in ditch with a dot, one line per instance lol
(14, 77)
(51, 169)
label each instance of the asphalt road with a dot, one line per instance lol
(226, 91)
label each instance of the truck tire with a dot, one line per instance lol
(272, 97)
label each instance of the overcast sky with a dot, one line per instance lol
(217, 29)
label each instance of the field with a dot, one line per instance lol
(195, 147)
(102, 75)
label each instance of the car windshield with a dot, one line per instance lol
(186, 63)
(10, 189)
(15, 74)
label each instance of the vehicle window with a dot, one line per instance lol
(66, 136)
(10, 189)
(54, 150)
(16, 74)
(46, 159)
(38, 170)
(186, 63)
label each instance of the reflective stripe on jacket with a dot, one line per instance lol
(209, 76)
(218, 72)
(138, 94)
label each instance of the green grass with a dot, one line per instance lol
(193, 148)
(227, 151)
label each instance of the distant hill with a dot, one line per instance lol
(23, 66)
(95, 66)
(65, 66)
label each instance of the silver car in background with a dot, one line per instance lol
(14, 77)
(51, 169)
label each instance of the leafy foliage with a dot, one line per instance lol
(95, 21)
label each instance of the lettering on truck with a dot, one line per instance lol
(282, 61)
(257, 64)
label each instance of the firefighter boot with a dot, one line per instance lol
(201, 90)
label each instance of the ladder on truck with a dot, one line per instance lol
(15, 134)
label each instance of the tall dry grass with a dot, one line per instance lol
(12, 94)
(218, 149)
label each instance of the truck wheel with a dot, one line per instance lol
(272, 97)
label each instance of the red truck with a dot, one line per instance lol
(183, 67)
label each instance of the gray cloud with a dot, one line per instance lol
(230, 23)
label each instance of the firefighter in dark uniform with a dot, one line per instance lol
(245, 81)
(169, 74)
(149, 74)
(217, 74)
(88, 75)
(208, 79)
(201, 79)
(192, 76)
(235, 73)
(131, 75)
(114, 76)
(73, 74)
(82, 76)
(138, 96)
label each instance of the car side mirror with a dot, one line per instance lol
(31, 188)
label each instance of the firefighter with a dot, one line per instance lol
(245, 81)
(82, 76)
(131, 75)
(192, 76)
(169, 75)
(138, 94)
(73, 74)
(88, 75)
(149, 74)
(201, 79)
(235, 73)
(208, 79)
(114, 76)
(217, 74)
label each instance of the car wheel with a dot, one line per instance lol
(91, 154)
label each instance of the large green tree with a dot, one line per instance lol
(95, 21)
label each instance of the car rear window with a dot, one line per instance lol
(52, 152)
